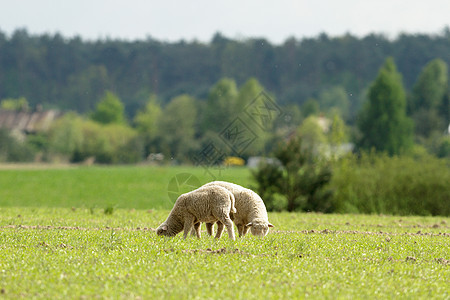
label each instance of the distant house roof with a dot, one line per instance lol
(28, 122)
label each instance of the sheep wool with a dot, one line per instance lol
(207, 204)
(251, 211)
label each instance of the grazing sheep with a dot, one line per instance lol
(251, 211)
(205, 204)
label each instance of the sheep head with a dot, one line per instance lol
(163, 229)
(259, 228)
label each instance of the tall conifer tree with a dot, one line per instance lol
(383, 121)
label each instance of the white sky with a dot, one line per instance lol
(170, 20)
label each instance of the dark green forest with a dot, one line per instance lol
(131, 99)
(72, 74)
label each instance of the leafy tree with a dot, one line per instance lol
(93, 144)
(383, 121)
(109, 110)
(123, 143)
(338, 131)
(427, 122)
(337, 135)
(110, 143)
(248, 92)
(427, 102)
(146, 121)
(323, 136)
(255, 110)
(245, 116)
(431, 86)
(76, 139)
(147, 118)
(310, 107)
(13, 149)
(312, 134)
(177, 127)
(335, 98)
(65, 136)
(221, 106)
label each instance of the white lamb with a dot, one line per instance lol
(250, 211)
(206, 204)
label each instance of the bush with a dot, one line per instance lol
(78, 140)
(444, 147)
(298, 183)
(112, 143)
(65, 136)
(14, 150)
(401, 185)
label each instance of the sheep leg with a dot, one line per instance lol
(188, 224)
(240, 228)
(229, 225)
(219, 230)
(196, 230)
(209, 227)
(245, 230)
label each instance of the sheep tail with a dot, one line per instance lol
(233, 209)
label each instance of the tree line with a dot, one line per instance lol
(127, 102)
(247, 121)
(73, 74)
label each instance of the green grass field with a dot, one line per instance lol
(57, 242)
(140, 187)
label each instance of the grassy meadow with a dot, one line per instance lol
(59, 240)
(139, 187)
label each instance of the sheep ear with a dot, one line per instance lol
(164, 227)
(249, 224)
(270, 225)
